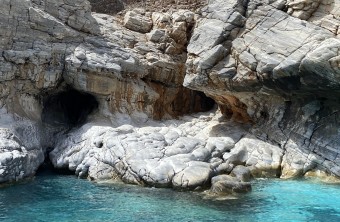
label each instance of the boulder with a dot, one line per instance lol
(156, 35)
(262, 159)
(242, 173)
(225, 184)
(138, 21)
(195, 175)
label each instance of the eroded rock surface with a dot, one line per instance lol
(271, 65)
(49, 46)
(277, 70)
(183, 153)
(226, 184)
(20, 148)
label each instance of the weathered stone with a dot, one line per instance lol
(196, 174)
(163, 154)
(225, 184)
(19, 155)
(161, 20)
(156, 35)
(136, 20)
(275, 72)
(326, 15)
(57, 46)
(317, 74)
(302, 9)
(183, 16)
(208, 34)
(242, 173)
(276, 68)
(261, 158)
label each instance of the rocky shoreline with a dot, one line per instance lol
(187, 99)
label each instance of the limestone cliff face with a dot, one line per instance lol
(54, 44)
(48, 47)
(272, 66)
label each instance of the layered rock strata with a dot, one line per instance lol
(21, 151)
(272, 67)
(276, 71)
(51, 47)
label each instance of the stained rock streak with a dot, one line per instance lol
(271, 66)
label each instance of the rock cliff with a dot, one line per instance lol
(275, 65)
(115, 92)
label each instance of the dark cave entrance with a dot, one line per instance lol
(206, 103)
(68, 108)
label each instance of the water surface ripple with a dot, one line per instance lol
(51, 197)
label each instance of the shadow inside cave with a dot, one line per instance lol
(68, 108)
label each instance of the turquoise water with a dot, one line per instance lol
(65, 198)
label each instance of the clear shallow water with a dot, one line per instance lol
(65, 198)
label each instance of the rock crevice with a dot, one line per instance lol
(272, 67)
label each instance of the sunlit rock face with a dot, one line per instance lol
(60, 63)
(56, 43)
(274, 64)
(78, 79)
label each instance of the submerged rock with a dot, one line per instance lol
(238, 181)
(242, 173)
(226, 184)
